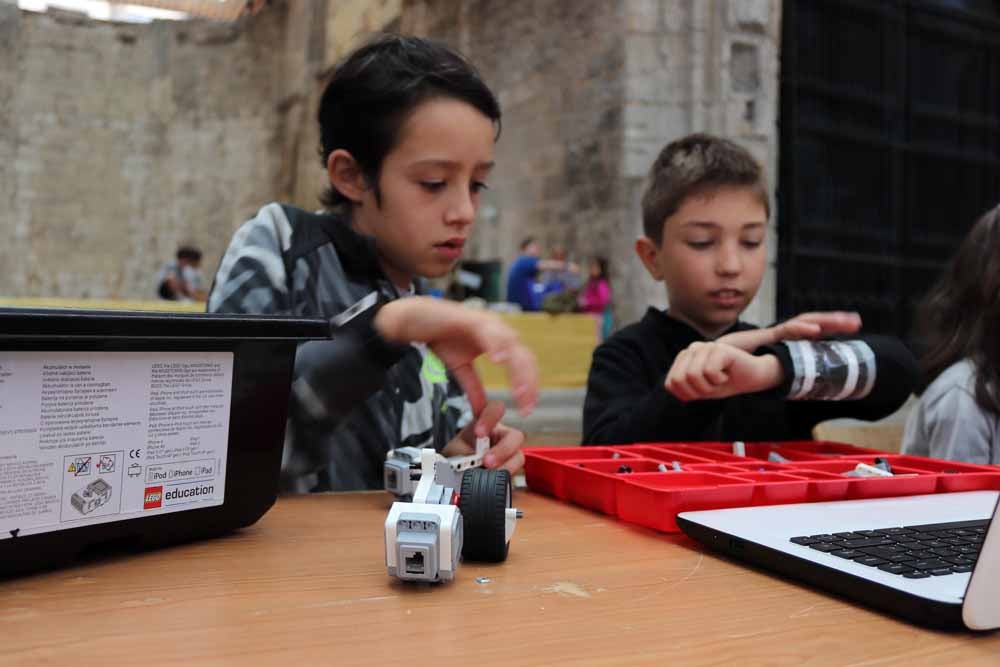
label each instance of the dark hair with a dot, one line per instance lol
(377, 86)
(960, 316)
(602, 263)
(526, 242)
(693, 165)
(189, 253)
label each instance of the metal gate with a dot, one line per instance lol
(890, 149)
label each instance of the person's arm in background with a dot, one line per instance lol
(624, 404)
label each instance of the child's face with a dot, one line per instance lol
(712, 257)
(430, 184)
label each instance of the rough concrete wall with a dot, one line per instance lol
(558, 69)
(698, 65)
(120, 141)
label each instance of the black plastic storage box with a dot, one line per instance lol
(129, 430)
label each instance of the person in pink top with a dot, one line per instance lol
(595, 298)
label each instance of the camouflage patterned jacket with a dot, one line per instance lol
(355, 397)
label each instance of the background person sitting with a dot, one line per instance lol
(180, 279)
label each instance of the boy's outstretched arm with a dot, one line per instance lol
(867, 377)
(626, 401)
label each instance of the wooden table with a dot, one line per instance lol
(307, 585)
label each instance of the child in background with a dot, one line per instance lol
(695, 371)
(407, 133)
(958, 415)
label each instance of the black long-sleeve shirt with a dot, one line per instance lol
(626, 401)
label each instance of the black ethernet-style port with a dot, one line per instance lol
(415, 563)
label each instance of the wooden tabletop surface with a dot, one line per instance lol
(308, 585)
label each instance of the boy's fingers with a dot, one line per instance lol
(488, 418)
(522, 374)
(834, 322)
(508, 445)
(676, 374)
(695, 374)
(468, 379)
(794, 329)
(715, 367)
(514, 463)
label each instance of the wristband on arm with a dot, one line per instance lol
(830, 370)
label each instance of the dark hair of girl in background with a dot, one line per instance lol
(960, 317)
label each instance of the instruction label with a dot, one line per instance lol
(96, 437)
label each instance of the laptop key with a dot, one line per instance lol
(895, 568)
(935, 544)
(893, 531)
(867, 542)
(939, 571)
(805, 540)
(849, 554)
(978, 525)
(823, 537)
(871, 561)
(961, 568)
(944, 552)
(930, 564)
(849, 536)
(825, 547)
(916, 574)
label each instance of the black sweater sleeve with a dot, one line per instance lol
(896, 377)
(626, 401)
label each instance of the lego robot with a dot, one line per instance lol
(447, 509)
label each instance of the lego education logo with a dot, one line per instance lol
(194, 492)
(152, 498)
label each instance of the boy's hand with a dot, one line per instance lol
(806, 325)
(716, 370)
(458, 335)
(505, 450)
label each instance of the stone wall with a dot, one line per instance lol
(120, 141)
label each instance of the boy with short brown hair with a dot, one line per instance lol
(695, 371)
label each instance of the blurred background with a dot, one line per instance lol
(130, 129)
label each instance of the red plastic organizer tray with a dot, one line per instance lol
(627, 480)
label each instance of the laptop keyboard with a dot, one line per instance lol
(915, 552)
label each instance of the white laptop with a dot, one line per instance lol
(932, 559)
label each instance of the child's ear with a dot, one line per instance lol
(346, 175)
(648, 250)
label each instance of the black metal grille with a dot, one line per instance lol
(890, 149)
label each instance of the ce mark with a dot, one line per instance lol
(135, 453)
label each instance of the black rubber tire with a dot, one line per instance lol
(483, 500)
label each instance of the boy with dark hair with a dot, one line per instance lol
(695, 371)
(407, 129)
